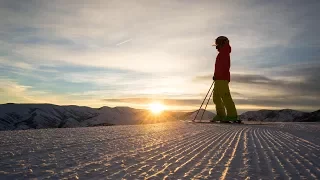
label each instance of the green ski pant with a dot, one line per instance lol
(223, 100)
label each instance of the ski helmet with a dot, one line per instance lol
(220, 41)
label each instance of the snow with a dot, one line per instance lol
(175, 150)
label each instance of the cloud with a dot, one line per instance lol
(14, 92)
(302, 102)
(172, 102)
(239, 78)
(16, 64)
(170, 41)
(291, 86)
(300, 80)
(294, 77)
(123, 42)
(164, 42)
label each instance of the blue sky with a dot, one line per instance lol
(131, 53)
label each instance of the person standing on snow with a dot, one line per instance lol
(221, 95)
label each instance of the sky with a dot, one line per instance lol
(131, 53)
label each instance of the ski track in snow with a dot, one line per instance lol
(164, 151)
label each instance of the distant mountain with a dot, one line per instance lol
(38, 116)
(310, 117)
(284, 115)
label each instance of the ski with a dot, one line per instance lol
(218, 122)
(231, 122)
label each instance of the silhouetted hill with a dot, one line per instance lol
(284, 115)
(38, 116)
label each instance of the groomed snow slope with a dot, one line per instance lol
(167, 150)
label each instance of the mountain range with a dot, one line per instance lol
(284, 115)
(39, 116)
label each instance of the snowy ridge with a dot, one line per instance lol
(285, 115)
(39, 116)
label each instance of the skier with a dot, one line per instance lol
(221, 95)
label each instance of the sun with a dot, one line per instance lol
(156, 108)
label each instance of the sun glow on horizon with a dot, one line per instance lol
(156, 107)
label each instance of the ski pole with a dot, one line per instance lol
(206, 105)
(203, 102)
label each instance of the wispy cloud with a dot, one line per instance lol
(20, 65)
(12, 91)
(173, 102)
(290, 86)
(123, 42)
(163, 42)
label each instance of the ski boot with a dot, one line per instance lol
(229, 119)
(216, 118)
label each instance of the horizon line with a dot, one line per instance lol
(276, 109)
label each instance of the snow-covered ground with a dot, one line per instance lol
(169, 150)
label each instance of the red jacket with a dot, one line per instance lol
(222, 66)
